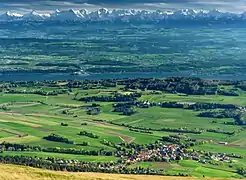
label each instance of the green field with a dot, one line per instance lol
(26, 118)
(156, 117)
(193, 168)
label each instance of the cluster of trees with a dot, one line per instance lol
(239, 119)
(21, 147)
(172, 105)
(145, 104)
(88, 84)
(219, 114)
(181, 130)
(93, 111)
(66, 112)
(5, 107)
(88, 134)
(198, 106)
(58, 138)
(108, 143)
(63, 105)
(172, 84)
(15, 84)
(220, 131)
(119, 107)
(82, 84)
(39, 92)
(114, 98)
(186, 85)
(236, 115)
(141, 131)
(171, 139)
(138, 147)
(181, 140)
(84, 143)
(129, 111)
(127, 108)
(228, 93)
(5, 146)
(64, 124)
(74, 151)
(212, 106)
(241, 171)
(241, 85)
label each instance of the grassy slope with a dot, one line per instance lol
(13, 172)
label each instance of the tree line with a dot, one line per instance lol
(58, 138)
(219, 114)
(75, 165)
(88, 134)
(38, 92)
(5, 146)
(140, 131)
(113, 98)
(198, 106)
(186, 85)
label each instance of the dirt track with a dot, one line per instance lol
(122, 136)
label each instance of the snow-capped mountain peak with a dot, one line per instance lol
(35, 16)
(69, 15)
(8, 13)
(102, 11)
(57, 11)
(84, 11)
(104, 14)
(8, 16)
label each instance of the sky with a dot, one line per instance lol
(50, 5)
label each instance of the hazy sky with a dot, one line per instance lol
(49, 5)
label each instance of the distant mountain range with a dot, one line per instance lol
(124, 15)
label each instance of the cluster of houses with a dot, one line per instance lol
(164, 153)
(174, 152)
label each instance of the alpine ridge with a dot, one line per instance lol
(125, 15)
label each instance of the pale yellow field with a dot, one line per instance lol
(13, 172)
